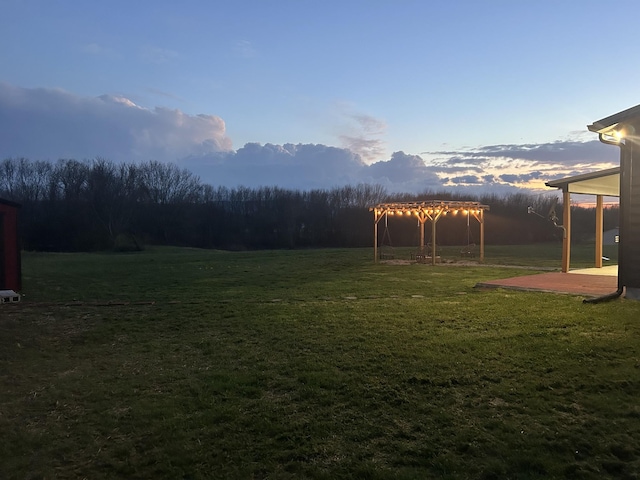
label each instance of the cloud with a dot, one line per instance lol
(445, 168)
(309, 166)
(526, 166)
(363, 134)
(467, 180)
(42, 124)
(518, 169)
(560, 153)
(50, 124)
(404, 171)
(301, 166)
(369, 149)
(521, 178)
(488, 179)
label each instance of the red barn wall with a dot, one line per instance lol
(10, 264)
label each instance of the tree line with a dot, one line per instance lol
(72, 205)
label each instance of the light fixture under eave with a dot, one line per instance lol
(615, 136)
(614, 133)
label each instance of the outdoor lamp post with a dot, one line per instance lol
(620, 130)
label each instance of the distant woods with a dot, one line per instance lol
(96, 205)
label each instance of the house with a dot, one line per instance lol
(620, 130)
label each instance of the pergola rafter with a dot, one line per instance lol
(431, 210)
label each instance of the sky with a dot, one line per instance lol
(484, 96)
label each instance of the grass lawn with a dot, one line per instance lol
(183, 363)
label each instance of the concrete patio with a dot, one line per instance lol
(590, 282)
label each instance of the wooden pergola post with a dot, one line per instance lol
(422, 219)
(376, 219)
(481, 220)
(434, 244)
(479, 216)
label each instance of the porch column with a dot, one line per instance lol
(566, 237)
(599, 229)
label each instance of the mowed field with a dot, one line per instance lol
(317, 364)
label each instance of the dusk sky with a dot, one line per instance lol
(413, 95)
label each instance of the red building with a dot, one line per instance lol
(10, 265)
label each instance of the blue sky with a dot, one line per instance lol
(413, 95)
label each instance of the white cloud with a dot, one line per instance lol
(526, 166)
(362, 134)
(50, 124)
(567, 154)
(404, 173)
(301, 166)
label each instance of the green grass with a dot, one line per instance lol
(543, 255)
(184, 363)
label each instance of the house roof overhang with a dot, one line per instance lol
(625, 122)
(603, 182)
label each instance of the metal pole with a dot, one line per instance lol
(482, 235)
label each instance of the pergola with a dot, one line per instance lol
(432, 211)
(604, 183)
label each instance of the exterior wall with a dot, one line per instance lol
(629, 256)
(609, 237)
(10, 261)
